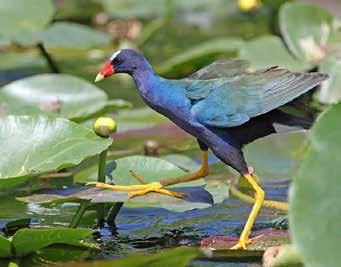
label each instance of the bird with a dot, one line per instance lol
(225, 106)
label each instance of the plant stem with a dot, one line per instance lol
(101, 179)
(50, 61)
(113, 212)
(79, 214)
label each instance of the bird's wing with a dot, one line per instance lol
(221, 68)
(232, 101)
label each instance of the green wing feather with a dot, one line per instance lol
(232, 100)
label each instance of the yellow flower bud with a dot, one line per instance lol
(247, 5)
(104, 126)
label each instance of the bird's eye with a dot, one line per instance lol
(117, 61)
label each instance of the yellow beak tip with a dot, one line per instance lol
(99, 77)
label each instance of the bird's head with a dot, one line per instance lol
(123, 61)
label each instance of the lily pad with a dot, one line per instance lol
(260, 240)
(277, 156)
(135, 8)
(61, 94)
(27, 241)
(200, 55)
(306, 30)
(315, 196)
(20, 61)
(38, 144)
(267, 51)
(330, 91)
(20, 17)
(150, 169)
(72, 36)
(196, 198)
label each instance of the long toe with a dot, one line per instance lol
(242, 244)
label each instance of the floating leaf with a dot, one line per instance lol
(196, 198)
(306, 30)
(135, 8)
(330, 91)
(201, 53)
(267, 51)
(57, 253)
(276, 156)
(314, 206)
(61, 94)
(38, 144)
(5, 247)
(69, 35)
(20, 61)
(19, 17)
(182, 161)
(150, 169)
(14, 225)
(260, 240)
(27, 241)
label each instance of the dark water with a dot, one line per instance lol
(148, 230)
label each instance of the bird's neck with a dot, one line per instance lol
(146, 80)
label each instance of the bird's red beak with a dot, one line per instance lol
(106, 71)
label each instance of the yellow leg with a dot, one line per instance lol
(259, 199)
(158, 187)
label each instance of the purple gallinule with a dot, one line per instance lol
(223, 105)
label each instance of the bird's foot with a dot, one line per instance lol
(139, 190)
(242, 244)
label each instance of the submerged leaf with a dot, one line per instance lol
(179, 257)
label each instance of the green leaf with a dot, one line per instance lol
(267, 51)
(277, 156)
(72, 36)
(17, 61)
(58, 254)
(38, 144)
(135, 8)
(19, 17)
(61, 94)
(5, 247)
(182, 161)
(26, 241)
(150, 169)
(179, 257)
(314, 203)
(200, 54)
(330, 91)
(306, 30)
